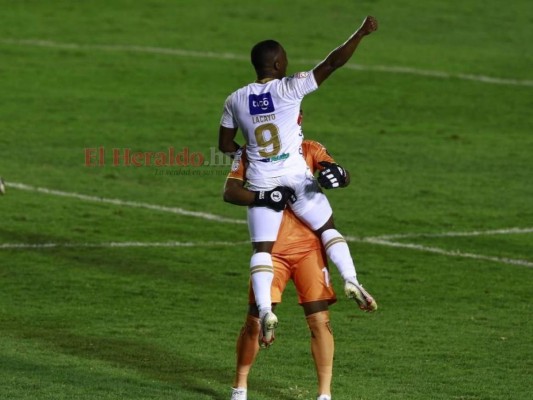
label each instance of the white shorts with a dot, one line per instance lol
(312, 206)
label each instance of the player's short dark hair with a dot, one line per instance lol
(263, 53)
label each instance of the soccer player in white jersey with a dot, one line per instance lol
(268, 113)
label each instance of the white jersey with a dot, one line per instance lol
(268, 116)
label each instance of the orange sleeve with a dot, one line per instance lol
(238, 167)
(315, 152)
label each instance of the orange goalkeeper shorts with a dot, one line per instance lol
(310, 273)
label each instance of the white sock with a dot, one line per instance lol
(239, 391)
(262, 274)
(338, 251)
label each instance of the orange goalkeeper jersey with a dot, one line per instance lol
(294, 236)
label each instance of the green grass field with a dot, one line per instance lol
(123, 282)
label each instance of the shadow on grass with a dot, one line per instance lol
(189, 373)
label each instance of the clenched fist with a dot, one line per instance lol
(369, 25)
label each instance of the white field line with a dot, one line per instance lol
(8, 246)
(232, 56)
(379, 240)
(508, 231)
(450, 253)
(127, 203)
(41, 246)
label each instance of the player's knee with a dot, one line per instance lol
(318, 324)
(251, 326)
(330, 224)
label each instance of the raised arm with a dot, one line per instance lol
(340, 56)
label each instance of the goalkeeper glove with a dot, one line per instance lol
(276, 199)
(332, 176)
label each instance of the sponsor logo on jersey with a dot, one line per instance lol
(261, 104)
(279, 157)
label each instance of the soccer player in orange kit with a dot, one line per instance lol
(298, 254)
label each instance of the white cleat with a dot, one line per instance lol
(363, 299)
(323, 397)
(269, 322)
(238, 394)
